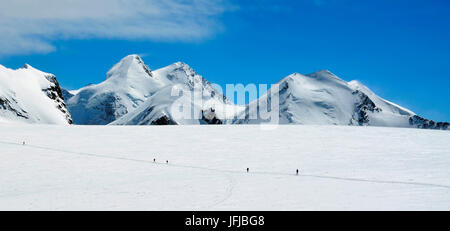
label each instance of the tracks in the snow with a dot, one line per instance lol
(229, 191)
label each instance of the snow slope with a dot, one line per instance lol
(28, 95)
(111, 168)
(129, 84)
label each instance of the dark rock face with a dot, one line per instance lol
(5, 104)
(210, 117)
(146, 69)
(55, 93)
(164, 121)
(420, 122)
(363, 107)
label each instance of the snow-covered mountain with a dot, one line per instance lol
(31, 96)
(127, 84)
(323, 98)
(132, 94)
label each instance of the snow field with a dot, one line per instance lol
(111, 168)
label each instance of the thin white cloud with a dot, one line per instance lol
(30, 26)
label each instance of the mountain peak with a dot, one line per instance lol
(181, 65)
(318, 75)
(325, 75)
(133, 56)
(323, 72)
(29, 67)
(130, 66)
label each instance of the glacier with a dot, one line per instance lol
(111, 168)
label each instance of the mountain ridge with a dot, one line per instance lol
(133, 94)
(130, 83)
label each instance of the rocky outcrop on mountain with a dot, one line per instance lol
(209, 117)
(31, 96)
(7, 105)
(419, 122)
(363, 108)
(164, 120)
(54, 92)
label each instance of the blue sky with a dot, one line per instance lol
(400, 49)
